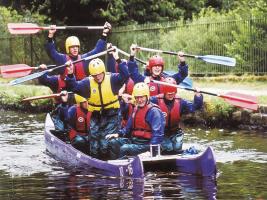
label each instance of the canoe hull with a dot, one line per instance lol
(65, 152)
(203, 164)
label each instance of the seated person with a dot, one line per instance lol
(173, 108)
(78, 123)
(144, 127)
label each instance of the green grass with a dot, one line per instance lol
(12, 95)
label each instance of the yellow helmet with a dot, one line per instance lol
(79, 99)
(71, 41)
(96, 66)
(141, 89)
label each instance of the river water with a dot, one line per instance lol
(27, 171)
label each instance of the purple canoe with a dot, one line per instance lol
(200, 164)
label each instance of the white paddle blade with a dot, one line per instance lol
(221, 60)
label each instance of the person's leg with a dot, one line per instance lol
(166, 146)
(114, 145)
(177, 141)
(81, 143)
(133, 149)
(94, 136)
(109, 124)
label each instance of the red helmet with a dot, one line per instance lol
(169, 89)
(155, 60)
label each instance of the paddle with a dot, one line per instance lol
(187, 82)
(234, 98)
(38, 74)
(31, 28)
(128, 55)
(221, 60)
(18, 70)
(49, 96)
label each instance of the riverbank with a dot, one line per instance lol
(216, 112)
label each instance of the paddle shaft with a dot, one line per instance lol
(128, 55)
(165, 52)
(49, 96)
(83, 59)
(59, 28)
(221, 60)
(38, 74)
(231, 97)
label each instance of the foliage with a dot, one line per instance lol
(19, 47)
(248, 44)
(119, 12)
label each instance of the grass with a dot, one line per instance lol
(11, 96)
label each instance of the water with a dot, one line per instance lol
(27, 171)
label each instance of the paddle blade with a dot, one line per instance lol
(241, 100)
(187, 83)
(23, 28)
(15, 71)
(27, 78)
(221, 60)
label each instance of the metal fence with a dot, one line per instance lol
(245, 40)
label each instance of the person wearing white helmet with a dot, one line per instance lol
(72, 46)
(145, 127)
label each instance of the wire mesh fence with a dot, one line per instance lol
(245, 40)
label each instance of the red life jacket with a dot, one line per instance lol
(82, 123)
(125, 115)
(61, 84)
(172, 115)
(129, 86)
(155, 88)
(140, 128)
(78, 69)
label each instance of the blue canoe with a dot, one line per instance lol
(202, 164)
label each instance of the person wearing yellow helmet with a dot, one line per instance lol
(145, 127)
(72, 46)
(77, 122)
(173, 107)
(101, 90)
(155, 68)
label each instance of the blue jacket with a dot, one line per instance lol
(156, 121)
(137, 77)
(60, 58)
(83, 87)
(111, 64)
(50, 81)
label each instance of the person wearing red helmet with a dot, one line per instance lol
(173, 108)
(156, 67)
